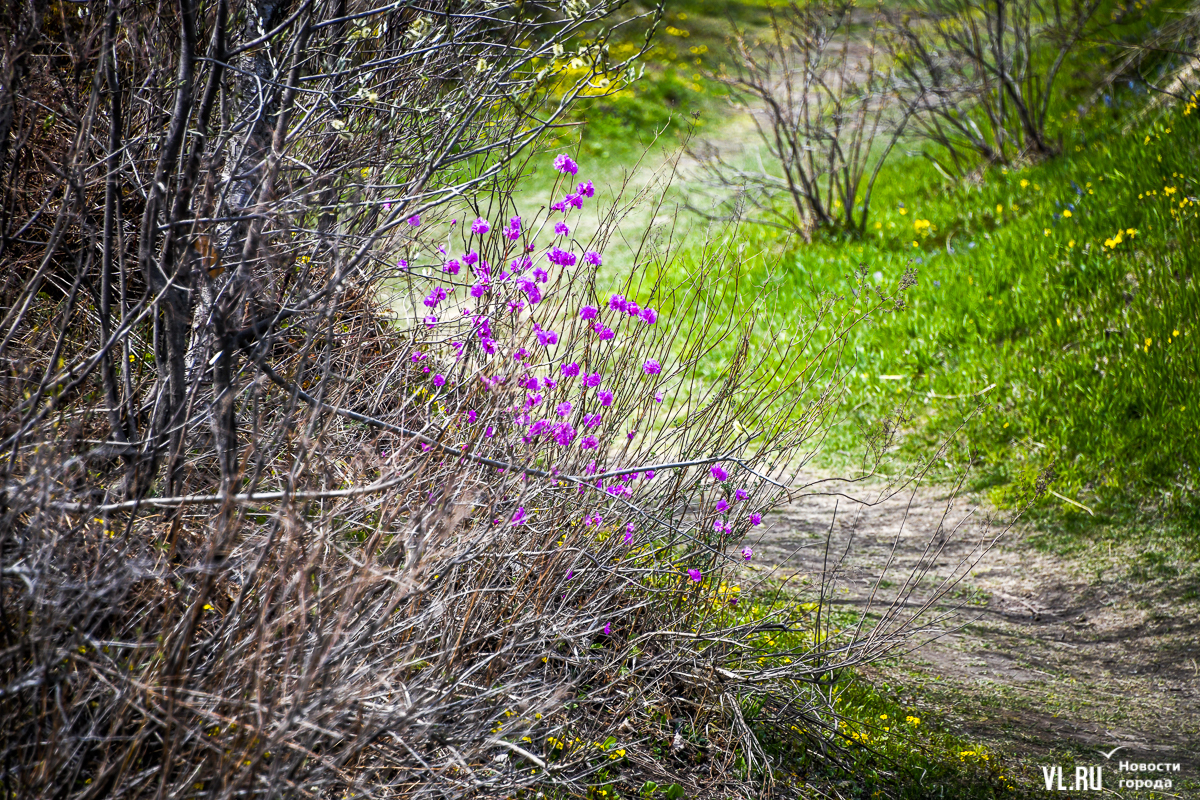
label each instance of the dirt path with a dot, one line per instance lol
(1051, 655)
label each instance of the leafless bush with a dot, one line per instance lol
(1167, 63)
(821, 100)
(282, 511)
(982, 73)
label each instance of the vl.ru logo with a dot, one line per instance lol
(1086, 779)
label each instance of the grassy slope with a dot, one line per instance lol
(1090, 347)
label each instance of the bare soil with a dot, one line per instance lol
(1037, 654)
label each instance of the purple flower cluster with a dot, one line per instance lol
(563, 258)
(565, 164)
(579, 421)
(513, 231)
(436, 296)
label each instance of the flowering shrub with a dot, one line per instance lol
(577, 492)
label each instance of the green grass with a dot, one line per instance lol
(1033, 283)
(1068, 341)
(1068, 358)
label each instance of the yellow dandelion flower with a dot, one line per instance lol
(1067, 214)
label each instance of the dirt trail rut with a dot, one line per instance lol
(1050, 655)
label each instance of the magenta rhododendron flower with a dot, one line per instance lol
(523, 262)
(533, 400)
(561, 205)
(740, 494)
(606, 397)
(561, 257)
(617, 302)
(588, 312)
(539, 427)
(547, 338)
(747, 552)
(718, 472)
(562, 409)
(561, 229)
(564, 434)
(452, 266)
(574, 200)
(652, 367)
(414, 220)
(591, 420)
(564, 163)
(471, 258)
(649, 316)
(436, 296)
(756, 519)
(513, 232)
(606, 334)
(401, 263)
(430, 320)
(632, 308)
(592, 380)
(480, 226)
(658, 396)
(540, 275)
(439, 380)
(722, 505)
(592, 257)
(529, 383)
(586, 189)
(570, 370)
(477, 291)
(648, 475)
(530, 289)
(518, 516)
(694, 574)
(588, 443)
(608, 629)
(471, 415)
